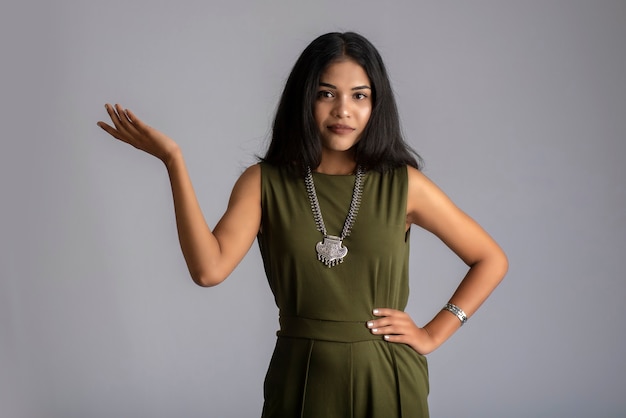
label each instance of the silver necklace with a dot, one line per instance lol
(331, 250)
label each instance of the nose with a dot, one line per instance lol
(342, 107)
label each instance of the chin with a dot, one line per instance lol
(340, 146)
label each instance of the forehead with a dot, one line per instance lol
(345, 72)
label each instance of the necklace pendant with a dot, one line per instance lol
(331, 251)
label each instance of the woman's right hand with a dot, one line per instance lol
(210, 255)
(128, 128)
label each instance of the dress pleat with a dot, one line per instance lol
(397, 381)
(351, 382)
(306, 377)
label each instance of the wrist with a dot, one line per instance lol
(172, 157)
(424, 342)
(442, 326)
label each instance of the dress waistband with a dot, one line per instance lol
(319, 329)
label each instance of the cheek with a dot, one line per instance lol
(317, 115)
(366, 113)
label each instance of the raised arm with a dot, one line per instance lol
(210, 256)
(429, 208)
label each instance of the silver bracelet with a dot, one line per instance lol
(457, 311)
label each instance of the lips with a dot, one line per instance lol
(340, 129)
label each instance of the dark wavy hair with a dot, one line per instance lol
(295, 139)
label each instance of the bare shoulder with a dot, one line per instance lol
(430, 208)
(242, 218)
(252, 174)
(249, 183)
(417, 179)
(424, 198)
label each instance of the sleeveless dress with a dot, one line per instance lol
(326, 363)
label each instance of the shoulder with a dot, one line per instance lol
(253, 171)
(396, 174)
(415, 176)
(420, 186)
(430, 208)
(425, 200)
(249, 182)
(262, 175)
(271, 174)
(252, 174)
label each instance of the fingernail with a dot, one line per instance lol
(370, 324)
(374, 329)
(375, 311)
(386, 337)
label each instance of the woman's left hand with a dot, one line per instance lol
(398, 327)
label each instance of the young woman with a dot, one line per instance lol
(331, 205)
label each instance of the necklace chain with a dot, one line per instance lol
(331, 252)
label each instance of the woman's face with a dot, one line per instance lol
(343, 105)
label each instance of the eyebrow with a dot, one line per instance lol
(353, 88)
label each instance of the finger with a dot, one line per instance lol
(135, 121)
(116, 113)
(108, 128)
(114, 116)
(389, 329)
(111, 131)
(132, 117)
(123, 117)
(103, 125)
(397, 339)
(111, 111)
(385, 312)
(379, 323)
(126, 124)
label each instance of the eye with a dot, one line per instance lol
(360, 96)
(325, 94)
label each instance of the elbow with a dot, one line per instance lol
(205, 283)
(501, 265)
(204, 279)
(493, 266)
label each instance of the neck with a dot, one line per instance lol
(336, 164)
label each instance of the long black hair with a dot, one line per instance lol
(296, 141)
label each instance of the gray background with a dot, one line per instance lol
(518, 107)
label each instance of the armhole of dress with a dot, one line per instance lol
(262, 167)
(405, 199)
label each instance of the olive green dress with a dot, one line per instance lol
(326, 363)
